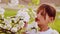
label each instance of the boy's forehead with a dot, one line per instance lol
(42, 11)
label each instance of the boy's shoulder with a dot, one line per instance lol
(55, 32)
(50, 31)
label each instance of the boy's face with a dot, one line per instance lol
(43, 18)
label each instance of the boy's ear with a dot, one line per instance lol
(51, 19)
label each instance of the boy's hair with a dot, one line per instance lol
(47, 9)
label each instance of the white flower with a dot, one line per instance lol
(34, 24)
(2, 11)
(5, 27)
(14, 3)
(23, 13)
(7, 21)
(17, 26)
(1, 25)
(21, 24)
(14, 29)
(7, 24)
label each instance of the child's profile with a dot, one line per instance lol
(45, 15)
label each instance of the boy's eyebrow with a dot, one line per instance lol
(43, 12)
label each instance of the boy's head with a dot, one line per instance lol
(45, 14)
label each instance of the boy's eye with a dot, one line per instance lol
(42, 14)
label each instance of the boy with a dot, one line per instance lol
(45, 14)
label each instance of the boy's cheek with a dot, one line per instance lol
(40, 23)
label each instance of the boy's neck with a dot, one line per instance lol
(43, 28)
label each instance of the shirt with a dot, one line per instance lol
(49, 31)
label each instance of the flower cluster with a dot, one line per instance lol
(15, 23)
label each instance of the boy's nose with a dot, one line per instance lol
(36, 19)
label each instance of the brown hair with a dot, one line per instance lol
(47, 9)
